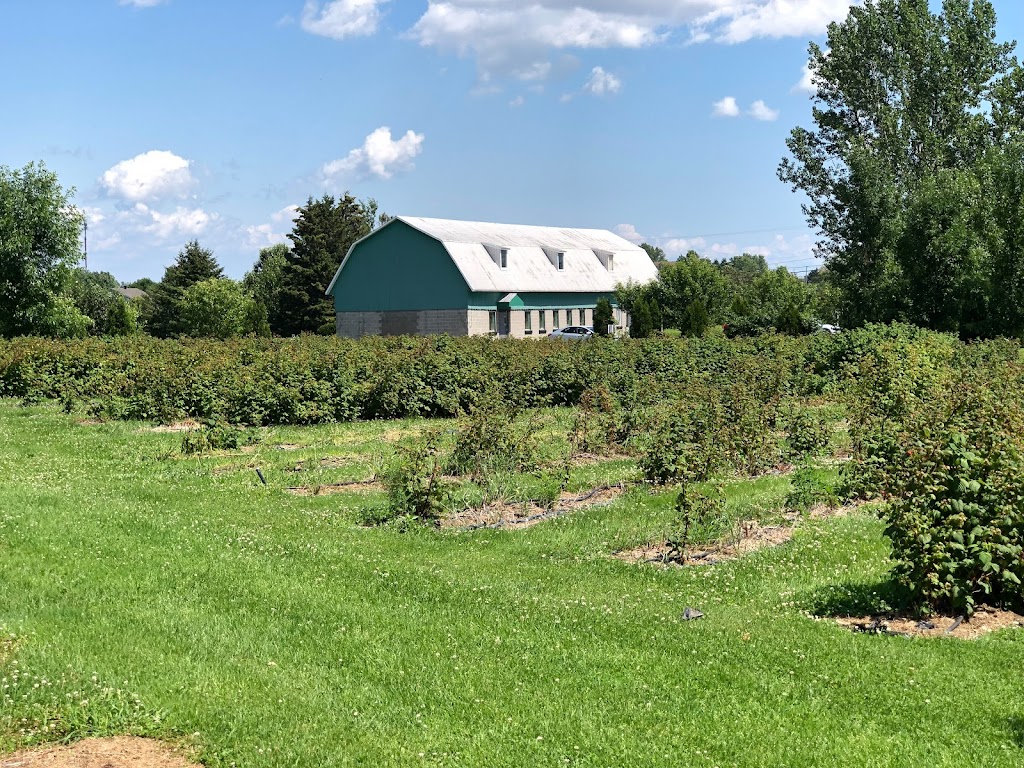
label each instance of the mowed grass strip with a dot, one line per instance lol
(271, 629)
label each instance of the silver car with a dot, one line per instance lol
(572, 332)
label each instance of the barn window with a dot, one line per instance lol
(568, 317)
(492, 322)
(528, 321)
(560, 261)
(554, 319)
(542, 326)
(503, 258)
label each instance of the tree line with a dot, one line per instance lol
(741, 293)
(43, 291)
(912, 176)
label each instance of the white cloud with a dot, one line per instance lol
(380, 156)
(727, 107)
(509, 38)
(149, 176)
(339, 19)
(263, 235)
(794, 252)
(780, 18)
(807, 83)
(761, 111)
(602, 83)
(565, 98)
(180, 222)
(628, 231)
(518, 101)
(140, 3)
(289, 213)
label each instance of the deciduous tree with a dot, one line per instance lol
(913, 111)
(39, 244)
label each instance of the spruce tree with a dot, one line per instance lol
(603, 316)
(193, 265)
(324, 231)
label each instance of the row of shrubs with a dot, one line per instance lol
(311, 380)
(938, 434)
(936, 425)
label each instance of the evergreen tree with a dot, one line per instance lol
(640, 326)
(263, 282)
(324, 231)
(194, 264)
(603, 316)
(695, 319)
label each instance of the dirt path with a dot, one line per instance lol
(116, 752)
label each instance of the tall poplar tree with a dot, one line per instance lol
(916, 114)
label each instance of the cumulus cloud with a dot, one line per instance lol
(380, 156)
(518, 101)
(179, 222)
(289, 213)
(726, 107)
(263, 235)
(795, 252)
(149, 176)
(778, 18)
(339, 19)
(761, 111)
(508, 38)
(602, 83)
(628, 231)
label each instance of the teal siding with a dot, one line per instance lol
(400, 268)
(543, 300)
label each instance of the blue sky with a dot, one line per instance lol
(663, 120)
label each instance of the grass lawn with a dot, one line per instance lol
(142, 591)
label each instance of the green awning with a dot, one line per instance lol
(510, 301)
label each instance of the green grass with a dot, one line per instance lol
(271, 629)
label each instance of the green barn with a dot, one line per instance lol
(427, 276)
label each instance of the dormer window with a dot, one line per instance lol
(556, 257)
(503, 258)
(607, 259)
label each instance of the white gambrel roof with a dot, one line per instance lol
(530, 254)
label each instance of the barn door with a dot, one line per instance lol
(504, 322)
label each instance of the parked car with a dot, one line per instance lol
(826, 328)
(572, 333)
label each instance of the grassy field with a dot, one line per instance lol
(146, 592)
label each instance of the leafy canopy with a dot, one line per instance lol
(39, 244)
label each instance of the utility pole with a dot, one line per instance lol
(85, 224)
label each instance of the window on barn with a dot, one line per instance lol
(528, 321)
(554, 319)
(542, 326)
(503, 258)
(568, 317)
(560, 261)
(492, 322)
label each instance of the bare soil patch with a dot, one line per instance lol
(984, 621)
(117, 752)
(748, 536)
(329, 489)
(288, 447)
(514, 515)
